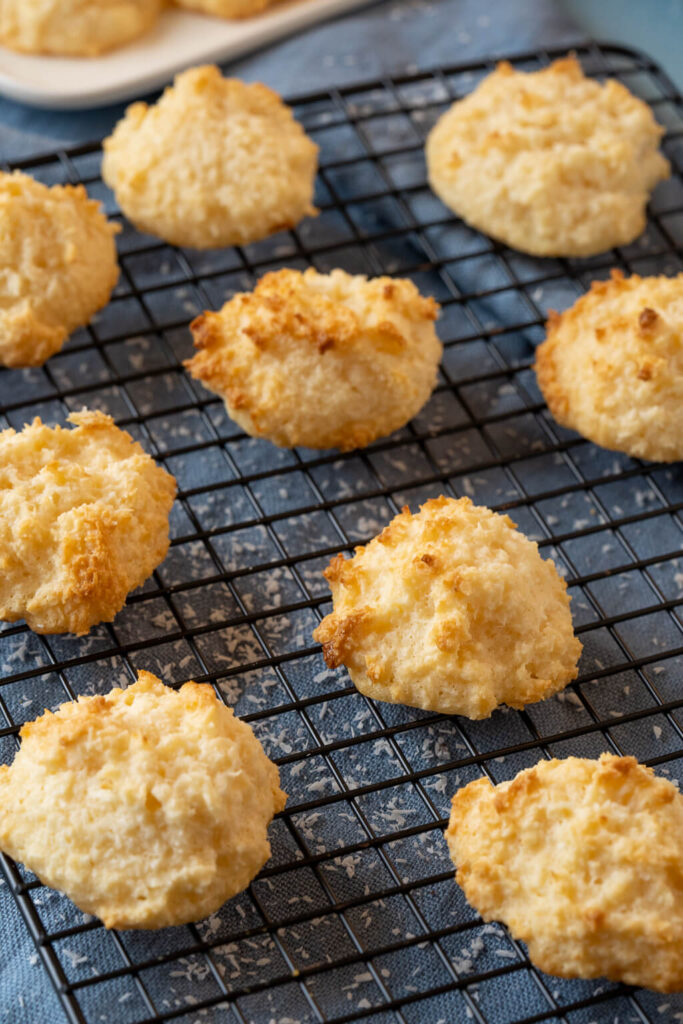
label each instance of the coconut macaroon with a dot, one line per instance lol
(57, 266)
(549, 162)
(320, 360)
(583, 861)
(73, 28)
(612, 366)
(450, 610)
(226, 8)
(148, 807)
(214, 162)
(83, 521)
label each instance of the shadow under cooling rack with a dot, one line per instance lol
(357, 917)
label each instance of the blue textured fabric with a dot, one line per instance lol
(26, 995)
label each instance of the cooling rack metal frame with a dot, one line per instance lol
(357, 917)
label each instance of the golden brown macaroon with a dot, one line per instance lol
(72, 28)
(226, 8)
(83, 521)
(320, 360)
(57, 266)
(583, 861)
(450, 610)
(148, 807)
(214, 162)
(550, 162)
(612, 365)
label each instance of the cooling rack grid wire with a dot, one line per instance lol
(357, 916)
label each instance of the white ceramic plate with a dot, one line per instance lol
(179, 40)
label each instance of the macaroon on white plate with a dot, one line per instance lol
(179, 40)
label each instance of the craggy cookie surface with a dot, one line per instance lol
(583, 861)
(148, 806)
(451, 610)
(72, 27)
(321, 360)
(550, 162)
(214, 162)
(612, 365)
(226, 8)
(57, 266)
(83, 521)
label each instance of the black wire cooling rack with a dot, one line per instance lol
(357, 916)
